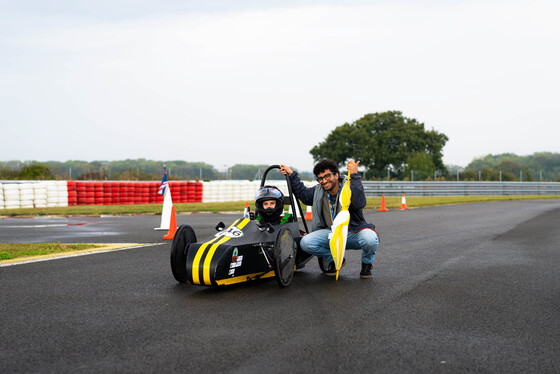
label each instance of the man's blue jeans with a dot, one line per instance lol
(317, 243)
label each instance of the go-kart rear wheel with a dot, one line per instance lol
(323, 264)
(284, 257)
(184, 236)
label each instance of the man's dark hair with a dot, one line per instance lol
(324, 165)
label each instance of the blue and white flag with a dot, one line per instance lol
(164, 184)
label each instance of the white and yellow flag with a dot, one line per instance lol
(340, 226)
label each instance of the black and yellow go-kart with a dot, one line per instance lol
(246, 250)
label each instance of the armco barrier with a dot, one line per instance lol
(460, 188)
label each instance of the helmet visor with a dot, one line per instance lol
(268, 192)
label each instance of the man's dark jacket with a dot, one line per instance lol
(318, 197)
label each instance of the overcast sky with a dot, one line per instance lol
(245, 82)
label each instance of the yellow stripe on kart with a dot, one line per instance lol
(244, 278)
(208, 259)
(198, 257)
(196, 261)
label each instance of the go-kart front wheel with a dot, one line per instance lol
(184, 236)
(284, 257)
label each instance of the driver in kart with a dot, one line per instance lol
(269, 205)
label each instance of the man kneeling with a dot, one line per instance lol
(325, 201)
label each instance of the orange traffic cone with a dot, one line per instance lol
(383, 207)
(308, 213)
(172, 226)
(403, 203)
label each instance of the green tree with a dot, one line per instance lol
(545, 165)
(421, 164)
(489, 174)
(381, 141)
(36, 170)
(468, 175)
(92, 176)
(509, 166)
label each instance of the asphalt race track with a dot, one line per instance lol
(462, 288)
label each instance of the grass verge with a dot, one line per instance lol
(423, 201)
(238, 206)
(10, 251)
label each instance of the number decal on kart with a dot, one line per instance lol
(232, 232)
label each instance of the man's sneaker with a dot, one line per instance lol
(331, 271)
(366, 271)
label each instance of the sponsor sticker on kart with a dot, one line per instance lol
(232, 232)
(236, 262)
